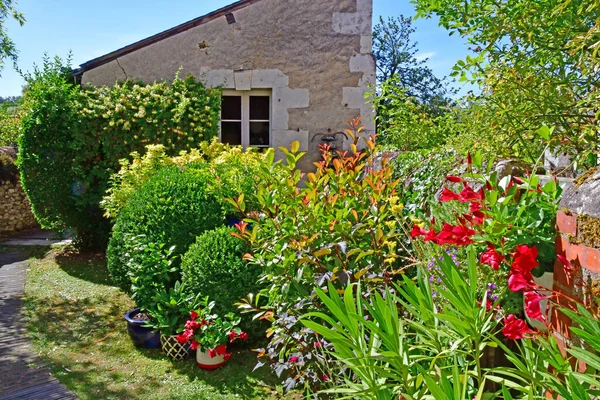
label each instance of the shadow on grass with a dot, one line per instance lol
(87, 267)
(93, 345)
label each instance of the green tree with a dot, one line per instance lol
(396, 54)
(7, 46)
(537, 61)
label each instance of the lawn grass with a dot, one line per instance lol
(75, 319)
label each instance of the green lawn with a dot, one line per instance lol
(75, 319)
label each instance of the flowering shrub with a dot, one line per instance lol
(339, 228)
(512, 218)
(210, 333)
(72, 139)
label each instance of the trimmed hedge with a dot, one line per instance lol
(72, 139)
(172, 208)
(213, 267)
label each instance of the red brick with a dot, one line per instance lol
(590, 259)
(566, 224)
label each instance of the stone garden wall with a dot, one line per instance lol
(578, 223)
(15, 211)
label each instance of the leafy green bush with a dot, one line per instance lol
(213, 267)
(405, 124)
(10, 123)
(73, 138)
(171, 308)
(133, 174)
(235, 173)
(173, 208)
(422, 174)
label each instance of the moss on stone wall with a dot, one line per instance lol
(585, 176)
(588, 231)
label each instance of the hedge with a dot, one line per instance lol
(172, 208)
(72, 139)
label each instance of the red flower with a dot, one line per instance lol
(185, 336)
(243, 336)
(232, 336)
(492, 257)
(517, 282)
(191, 325)
(418, 231)
(454, 179)
(469, 159)
(221, 350)
(293, 359)
(194, 315)
(212, 353)
(194, 345)
(532, 305)
(468, 194)
(515, 328)
(226, 356)
(449, 195)
(474, 207)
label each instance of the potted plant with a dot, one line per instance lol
(169, 312)
(209, 335)
(150, 269)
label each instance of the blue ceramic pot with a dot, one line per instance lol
(141, 336)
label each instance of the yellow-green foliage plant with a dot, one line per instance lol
(137, 171)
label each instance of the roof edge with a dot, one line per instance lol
(96, 62)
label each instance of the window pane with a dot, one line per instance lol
(231, 107)
(259, 107)
(259, 134)
(231, 133)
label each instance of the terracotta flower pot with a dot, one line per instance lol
(207, 362)
(173, 349)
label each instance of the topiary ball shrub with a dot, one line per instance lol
(171, 208)
(213, 266)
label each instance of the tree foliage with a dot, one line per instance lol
(537, 62)
(396, 54)
(7, 45)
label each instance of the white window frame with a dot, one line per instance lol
(245, 95)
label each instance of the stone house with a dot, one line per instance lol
(291, 70)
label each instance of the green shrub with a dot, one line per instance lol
(10, 123)
(213, 267)
(235, 173)
(172, 208)
(73, 138)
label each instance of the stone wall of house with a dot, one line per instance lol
(315, 55)
(578, 223)
(15, 211)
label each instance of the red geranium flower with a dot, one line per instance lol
(194, 345)
(185, 336)
(468, 194)
(193, 315)
(221, 350)
(192, 324)
(243, 336)
(492, 257)
(515, 328)
(232, 336)
(212, 353)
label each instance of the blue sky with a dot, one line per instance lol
(93, 28)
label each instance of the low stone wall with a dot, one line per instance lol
(578, 223)
(15, 211)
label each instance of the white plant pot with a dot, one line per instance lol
(546, 281)
(204, 361)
